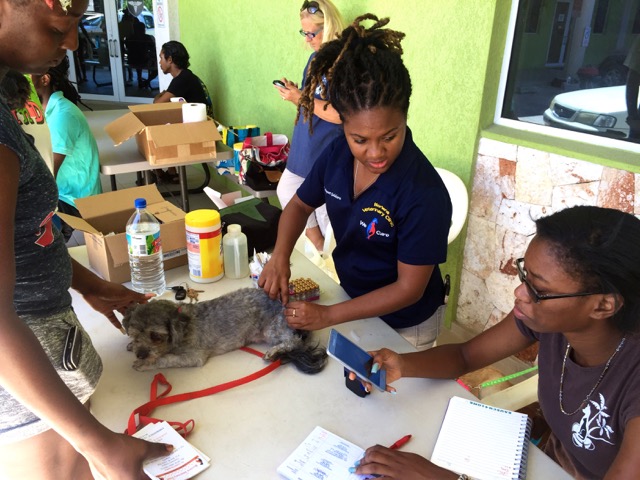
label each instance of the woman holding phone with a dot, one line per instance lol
(321, 22)
(579, 299)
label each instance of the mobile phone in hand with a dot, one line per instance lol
(279, 83)
(355, 359)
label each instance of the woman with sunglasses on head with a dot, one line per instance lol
(388, 206)
(321, 22)
(46, 429)
(579, 298)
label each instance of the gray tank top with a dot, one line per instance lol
(43, 265)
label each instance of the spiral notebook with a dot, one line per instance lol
(483, 442)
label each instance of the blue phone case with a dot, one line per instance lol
(355, 359)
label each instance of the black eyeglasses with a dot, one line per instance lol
(311, 7)
(535, 296)
(310, 35)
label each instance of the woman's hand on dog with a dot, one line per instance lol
(113, 297)
(274, 279)
(307, 316)
(104, 297)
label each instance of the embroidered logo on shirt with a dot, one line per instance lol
(380, 210)
(371, 228)
(592, 428)
(376, 221)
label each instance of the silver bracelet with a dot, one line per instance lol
(463, 477)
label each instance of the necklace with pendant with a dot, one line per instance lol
(588, 397)
(356, 194)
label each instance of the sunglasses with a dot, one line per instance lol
(537, 297)
(311, 7)
(310, 35)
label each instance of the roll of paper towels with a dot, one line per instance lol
(194, 112)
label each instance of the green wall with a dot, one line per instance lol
(239, 47)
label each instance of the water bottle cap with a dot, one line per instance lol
(234, 228)
(140, 203)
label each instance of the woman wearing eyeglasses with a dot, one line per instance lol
(320, 22)
(579, 298)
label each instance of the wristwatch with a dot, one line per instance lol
(463, 477)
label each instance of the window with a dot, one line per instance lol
(533, 16)
(600, 17)
(636, 22)
(562, 77)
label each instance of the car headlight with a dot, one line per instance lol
(596, 119)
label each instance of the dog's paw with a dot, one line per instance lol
(143, 365)
(130, 347)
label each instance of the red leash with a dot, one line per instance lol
(140, 416)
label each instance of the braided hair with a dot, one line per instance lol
(15, 89)
(60, 81)
(598, 247)
(361, 70)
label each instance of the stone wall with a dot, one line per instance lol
(512, 186)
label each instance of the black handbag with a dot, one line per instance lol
(261, 177)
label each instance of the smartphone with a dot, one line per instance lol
(355, 359)
(72, 349)
(279, 83)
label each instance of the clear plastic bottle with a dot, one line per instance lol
(145, 251)
(235, 252)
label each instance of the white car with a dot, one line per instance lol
(599, 111)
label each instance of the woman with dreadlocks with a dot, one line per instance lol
(76, 163)
(46, 429)
(388, 206)
(321, 22)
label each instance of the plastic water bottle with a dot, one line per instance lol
(145, 251)
(235, 252)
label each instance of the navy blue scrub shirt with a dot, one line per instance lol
(404, 216)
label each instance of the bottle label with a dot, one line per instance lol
(204, 253)
(144, 245)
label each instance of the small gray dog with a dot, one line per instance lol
(167, 334)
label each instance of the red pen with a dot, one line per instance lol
(400, 442)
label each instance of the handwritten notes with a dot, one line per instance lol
(322, 456)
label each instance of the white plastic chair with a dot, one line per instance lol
(459, 201)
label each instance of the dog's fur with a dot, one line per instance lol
(167, 334)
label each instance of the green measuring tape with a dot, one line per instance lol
(507, 377)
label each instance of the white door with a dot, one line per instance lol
(116, 59)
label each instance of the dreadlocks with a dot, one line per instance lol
(363, 69)
(60, 81)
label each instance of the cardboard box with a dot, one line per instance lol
(162, 137)
(104, 220)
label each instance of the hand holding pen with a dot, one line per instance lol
(397, 444)
(394, 464)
